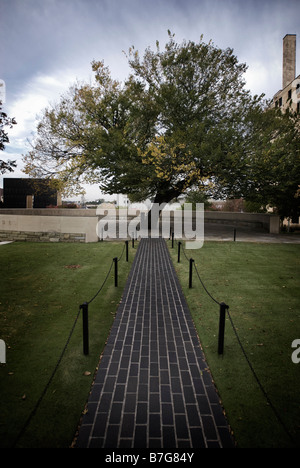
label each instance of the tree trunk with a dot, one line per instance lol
(164, 195)
(155, 211)
(159, 203)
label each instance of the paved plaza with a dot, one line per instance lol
(227, 233)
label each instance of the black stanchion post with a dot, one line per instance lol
(85, 327)
(223, 308)
(179, 245)
(234, 234)
(133, 240)
(126, 243)
(116, 271)
(191, 273)
(172, 240)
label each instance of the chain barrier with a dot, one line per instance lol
(81, 307)
(224, 307)
(259, 382)
(48, 383)
(204, 287)
(180, 245)
(102, 285)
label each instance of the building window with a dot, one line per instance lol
(289, 94)
(280, 102)
(298, 107)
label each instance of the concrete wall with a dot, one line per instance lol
(65, 225)
(266, 222)
(68, 212)
(58, 226)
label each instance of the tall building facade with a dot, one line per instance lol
(289, 95)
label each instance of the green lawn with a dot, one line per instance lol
(40, 296)
(260, 283)
(41, 288)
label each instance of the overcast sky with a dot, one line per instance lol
(45, 45)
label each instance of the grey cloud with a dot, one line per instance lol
(57, 38)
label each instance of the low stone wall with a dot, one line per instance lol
(43, 226)
(23, 236)
(65, 225)
(269, 223)
(61, 212)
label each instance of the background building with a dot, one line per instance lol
(29, 193)
(289, 95)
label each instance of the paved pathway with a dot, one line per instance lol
(153, 388)
(225, 232)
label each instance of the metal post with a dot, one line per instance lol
(172, 240)
(179, 245)
(126, 243)
(116, 271)
(133, 240)
(85, 327)
(234, 234)
(191, 273)
(223, 308)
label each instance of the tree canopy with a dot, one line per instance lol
(5, 121)
(183, 119)
(272, 167)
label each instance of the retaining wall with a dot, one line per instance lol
(48, 225)
(266, 222)
(78, 225)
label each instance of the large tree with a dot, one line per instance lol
(5, 121)
(177, 122)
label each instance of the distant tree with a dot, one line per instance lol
(5, 121)
(268, 171)
(275, 166)
(197, 196)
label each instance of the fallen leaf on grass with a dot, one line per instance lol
(87, 373)
(72, 267)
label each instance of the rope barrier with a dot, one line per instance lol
(259, 382)
(204, 287)
(196, 269)
(120, 258)
(224, 307)
(81, 307)
(106, 278)
(102, 285)
(48, 383)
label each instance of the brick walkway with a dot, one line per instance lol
(153, 388)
